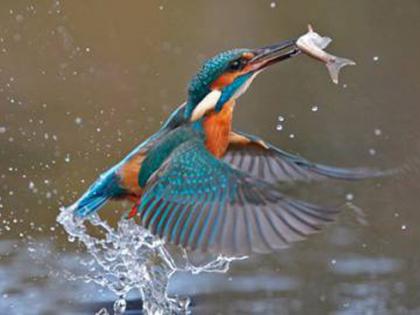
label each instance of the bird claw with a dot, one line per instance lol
(132, 212)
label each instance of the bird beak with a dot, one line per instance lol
(267, 56)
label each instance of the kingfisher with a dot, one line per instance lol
(200, 184)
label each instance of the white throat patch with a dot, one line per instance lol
(207, 103)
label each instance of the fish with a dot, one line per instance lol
(313, 45)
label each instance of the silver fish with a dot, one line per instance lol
(314, 44)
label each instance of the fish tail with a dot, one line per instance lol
(334, 66)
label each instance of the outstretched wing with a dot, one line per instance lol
(199, 202)
(263, 160)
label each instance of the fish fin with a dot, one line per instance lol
(322, 42)
(334, 66)
(310, 28)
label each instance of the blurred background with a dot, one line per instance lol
(83, 82)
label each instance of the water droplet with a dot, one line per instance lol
(372, 151)
(120, 306)
(19, 18)
(279, 127)
(314, 108)
(2, 129)
(280, 118)
(375, 58)
(291, 136)
(78, 120)
(184, 303)
(67, 158)
(273, 5)
(124, 249)
(349, 197)
(403, 227)
(102, 311)
(377, 132)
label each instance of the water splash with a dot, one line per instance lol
(129, 258)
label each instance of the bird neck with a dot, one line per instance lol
(217, 127)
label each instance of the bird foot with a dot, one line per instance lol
(132, 213)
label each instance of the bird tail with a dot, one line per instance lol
(87, 204)
(104, 189)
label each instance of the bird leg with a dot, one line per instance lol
(134, 210)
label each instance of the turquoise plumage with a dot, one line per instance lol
(227, 202)
(197, 201)
(214, 67)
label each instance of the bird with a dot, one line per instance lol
(201, 184)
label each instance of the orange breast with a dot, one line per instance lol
(217, 127)
(129, 174)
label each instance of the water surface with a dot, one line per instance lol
(81, 83)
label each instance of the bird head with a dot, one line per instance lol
(228, 75)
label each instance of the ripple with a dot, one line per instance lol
(367, 265)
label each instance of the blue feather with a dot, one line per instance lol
(105, 188)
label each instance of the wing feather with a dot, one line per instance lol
(263, 160)
(199, 202)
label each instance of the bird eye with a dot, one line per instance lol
(237, 64)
